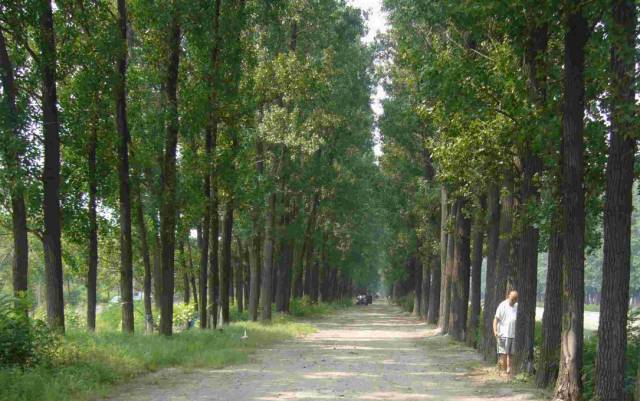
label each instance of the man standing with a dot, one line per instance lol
(504, 328)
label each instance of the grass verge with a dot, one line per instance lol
(87, 366)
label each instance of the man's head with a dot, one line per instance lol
(512, 297)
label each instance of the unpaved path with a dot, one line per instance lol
(365, 353)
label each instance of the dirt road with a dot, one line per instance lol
(365, 353)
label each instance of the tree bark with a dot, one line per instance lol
(444, 246)
(527, 275)
(157, 266)
(417, 285)
(284, 275)
(476, 274)
(266, 291)
(425, 288)
(168, 200)
(445, 294)
(51, 175)
(569, 383)
(13, 154)
(247, 273)
(460, 273)
(126, 253)
(204, 241)
(504, 266)
(144, 249)
(434, 294)
(209, 303)
(92, 271)
(616, 268)
(225, 270)
(552, 316)
(254, 276)
(527, 278)
(490, 300)
(239, 277)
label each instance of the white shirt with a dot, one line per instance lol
(506, 316)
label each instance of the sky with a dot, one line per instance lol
(376, 23)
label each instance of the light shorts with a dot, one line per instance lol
(505, 345)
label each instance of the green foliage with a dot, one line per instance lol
(304, 308)
(86, 366)
(24, 342)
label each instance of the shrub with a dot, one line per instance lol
(24, 342)
(632, 358)
(406, 302)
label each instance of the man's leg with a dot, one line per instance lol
(508, 358)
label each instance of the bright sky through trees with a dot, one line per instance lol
(376, 23)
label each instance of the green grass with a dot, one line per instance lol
(87, 366)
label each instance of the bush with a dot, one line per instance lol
(24, 342)
(406, 302)
(632, 358)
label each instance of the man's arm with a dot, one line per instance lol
(495, 326)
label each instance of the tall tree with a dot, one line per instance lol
(490, 300)
(476, 273)
(527, 285)
(12, 155)
(146, 260)
(460, 272)
(552, 315)
(51, 177)
(126, 255)
(614, 304)
(92, 271)
(208, 266)
(168, 201)
(569, 383)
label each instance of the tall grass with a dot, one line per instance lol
(87, 366)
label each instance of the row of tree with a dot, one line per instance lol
(134, 127)
(510, 129)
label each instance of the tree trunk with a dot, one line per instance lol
(284, 275)
(51, 176)
(144, 249)
(616, 268)
(552, 315)
(307, 256)
(266, 294)
(254, 276)
(247, 273)
(490, 300)
(425, 288)
(204, 241)
(476, 274)
(225, 269)
(569, 384)
(443, 318)
(527, 278)
(168, 200)
(445, 294)
(504, 265)
(527, 271)
(434, 294)
(13, 153)
(324, 270)
(460, 273)
(297, 269)
(92, 271)
(417, 285)
(126, 253)
(239, 277)
(209, 303)
(157, 267)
